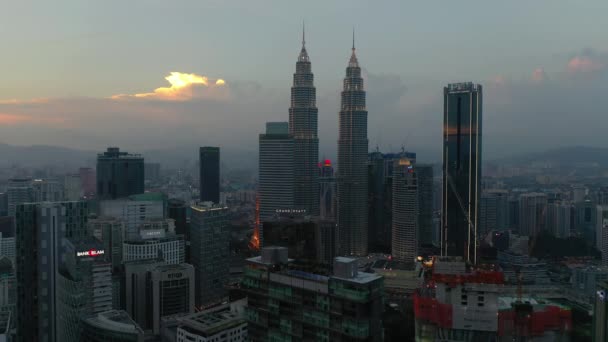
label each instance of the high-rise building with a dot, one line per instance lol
(585, 221)
(19, 190)
(424, 174)
(405, 212)
(84, 286)
(303, 124)
(88, 180)
(113, 325)
(133, 212)
(119, 174)
(41, 228)
(156, 239)
(532, 213)
(47, 190)
(110, 232)
(210, 252)
(328, 191)
(209, 158)
(152, 171)
(601, 196)
(462, 127)
(276, 169)
(8, 286)
(602, 232)
(72, 187)
(3, 204)
(285, 303)
(560, 215)
(155, 290)
(219, 324)
(7, 238)
(352, 163)
(177, 210)
(493, 211)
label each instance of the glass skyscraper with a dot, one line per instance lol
(119, 174)
(462, 114)
(352, 164)
(210, 174)
(303, 119)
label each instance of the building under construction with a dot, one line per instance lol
(457, 303)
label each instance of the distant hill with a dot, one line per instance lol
(565, 156)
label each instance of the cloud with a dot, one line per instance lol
(183, 87)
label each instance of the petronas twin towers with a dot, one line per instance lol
(352, 151)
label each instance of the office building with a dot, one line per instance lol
(405, 212)
(119, 174)
(88, 180)
(276, 170)
(303, 123)
(309, 240)
(155, 290)
(178, 211)
(134, 211)
(601, 196)
(493, 211)
(152, 171)
(113, 325)
(209, 174)
(602, 232)
(110, 232)
(352, 163)
(8, 285)
(3, 204)
(6, 322)
(328, 204)
(18, 190)
(156, 239)
(532, 213)
(462, 119)
(426, 232)
(72, 187)
(560, 216)
(219, 324)
(84, 286)
(47, 190)
(42, 226)
(7, 237)
(285, 303)
(210, 252)
(585, 220)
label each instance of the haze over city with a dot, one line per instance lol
(71, 79)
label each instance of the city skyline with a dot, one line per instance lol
(405, 87)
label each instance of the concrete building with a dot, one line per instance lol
(119, 174)
(154, 290)
(210, 252)
(288, 304)
(84, 286)
(41, 228)
(426, 231)
(6, 323)
(532, 213)
(110, 231)
(89, 181)
(3, 204)
(113, 325)
(155, 244)
(405, 212)
(134, 211)
(18, 190)
(276, 169)
(224, 323)
(493, 211)
(47, 190)
(462, 150)
(303, 122)
(72, 187)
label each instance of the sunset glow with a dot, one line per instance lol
(181, 87)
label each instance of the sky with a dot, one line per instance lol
(163, 74)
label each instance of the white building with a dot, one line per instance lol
(132, 213)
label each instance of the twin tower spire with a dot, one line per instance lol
(353, 62)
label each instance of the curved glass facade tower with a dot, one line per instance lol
(352, 164)
(303, 114)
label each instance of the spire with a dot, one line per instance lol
(353, 63)
(303, 53)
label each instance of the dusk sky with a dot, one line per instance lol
(72, 70)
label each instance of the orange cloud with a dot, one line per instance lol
(15, 119)
(584, 64)
(181, 88)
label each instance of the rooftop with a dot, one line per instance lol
(115, 320)
(210, 323)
